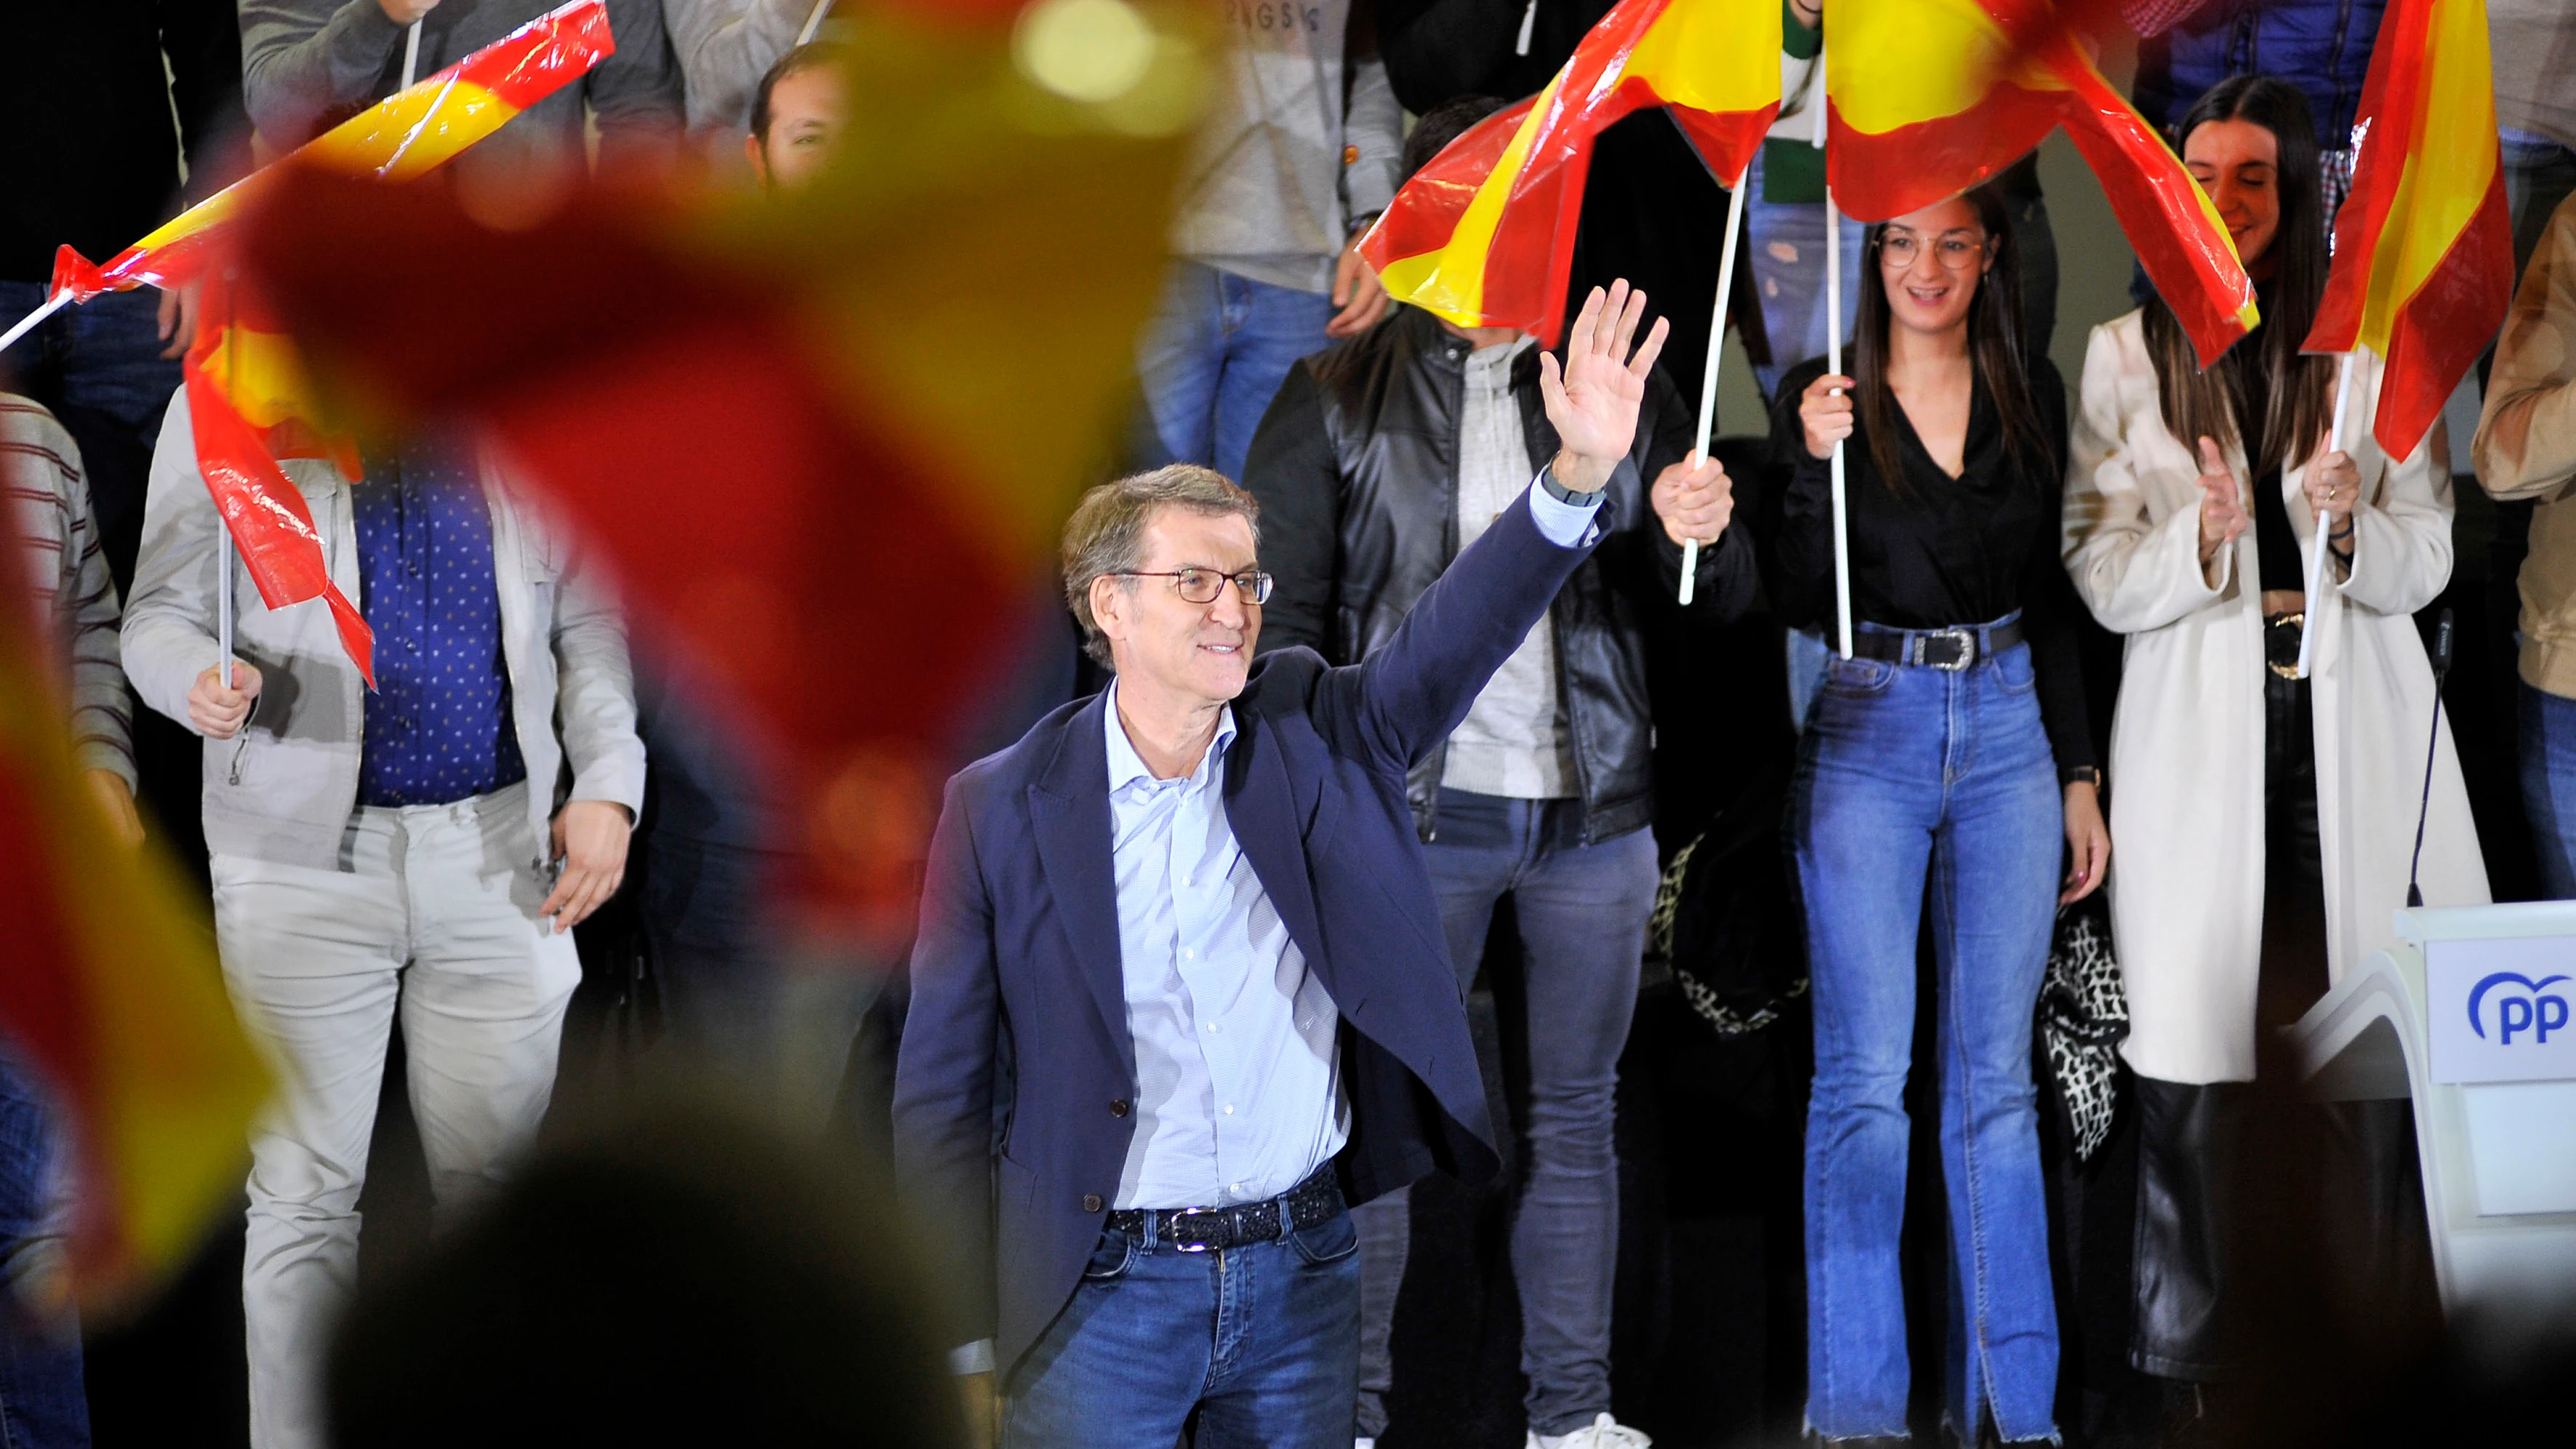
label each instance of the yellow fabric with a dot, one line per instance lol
(417, 130)
(172, 1083)
(1712, 55)
(2447, 173)
(1450, 282)
(1896, 63)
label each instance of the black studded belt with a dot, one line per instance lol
(1948, 650)
(1202, 1230)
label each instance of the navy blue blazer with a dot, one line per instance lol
(1017, 1071)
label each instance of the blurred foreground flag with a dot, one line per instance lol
(824, 440)
(2423, 256)
(111, 991)
(1928, 98)
(1484, 234)
(396, 139)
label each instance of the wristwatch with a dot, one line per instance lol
(1565, 495)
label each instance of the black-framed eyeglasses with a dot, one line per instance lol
(1201, 586)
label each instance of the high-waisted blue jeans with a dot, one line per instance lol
(1907, 772)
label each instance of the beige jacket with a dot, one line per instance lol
(2186, 767)
(2526, 448)
(283, 788)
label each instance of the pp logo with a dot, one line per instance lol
(2522, 1005)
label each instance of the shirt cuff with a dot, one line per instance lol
(1567, 525)
(973, 1358)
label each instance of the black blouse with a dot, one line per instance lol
(1964, 550)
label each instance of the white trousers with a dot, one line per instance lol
(434, 908)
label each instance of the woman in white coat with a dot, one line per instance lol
(2263, 822)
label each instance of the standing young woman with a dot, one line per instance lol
(1951, 746)
(2264, 822)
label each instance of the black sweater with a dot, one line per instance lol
(1964, 550)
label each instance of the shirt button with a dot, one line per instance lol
(1091, 1202)
(1229, 1109)
(1189, 955)
(1211, 1026)
(1118, 1108)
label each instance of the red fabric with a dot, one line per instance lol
(2194, 268)
(2384, 130)
(810, 554)
(2442, 330)
(2438, 334)
(266, 512)
(1531, 259)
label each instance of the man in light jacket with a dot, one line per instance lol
(2526, 449)
(429, 843)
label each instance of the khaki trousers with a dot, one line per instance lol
(433, 910)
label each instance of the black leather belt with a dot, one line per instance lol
(1202, 1230)
(1950, 650)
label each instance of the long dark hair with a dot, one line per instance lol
(2199, 404)
(1994, 345)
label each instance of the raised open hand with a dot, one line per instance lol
(1592, 399)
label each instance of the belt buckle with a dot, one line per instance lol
(2297, 620)
(1174, 1221)
(1965, 638)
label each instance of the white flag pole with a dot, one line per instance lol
(223, 600)
(411, 55)
(814, 22)
(27, 324)
(1834, 364)
(1716, 351)
(2325, 521)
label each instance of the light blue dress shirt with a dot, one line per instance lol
(1238, 1085)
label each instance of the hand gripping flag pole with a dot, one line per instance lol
(2325, 524)
(1716, 351)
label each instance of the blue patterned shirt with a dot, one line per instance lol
(438, 726)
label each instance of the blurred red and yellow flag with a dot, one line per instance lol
(1484, 234)
(1928, 98)
(824, 440)
(111, 992)
(248, 396)
(2423, 257)
(400, 137)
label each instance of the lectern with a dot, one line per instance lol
(2470, 1018)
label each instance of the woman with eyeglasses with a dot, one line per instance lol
(1951, 749)
(2264, 821)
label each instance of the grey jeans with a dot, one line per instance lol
(1582, 912)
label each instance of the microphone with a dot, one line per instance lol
(2441, 668)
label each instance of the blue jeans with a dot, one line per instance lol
(1213, 357)
(1906, 772)
(98, 367)
(2549, 786)
(1263, 1341)
(1785, 246)
(1582, 913)
(42, 1402)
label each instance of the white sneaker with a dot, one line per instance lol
(1603, 1432)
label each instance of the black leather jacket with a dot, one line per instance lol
(1356, 467)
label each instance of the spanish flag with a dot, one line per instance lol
(396, 139)
(2423, 261)
(1927, 98)
(247, 392)
(1484, 235)
(111, 992)
(249, 404)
